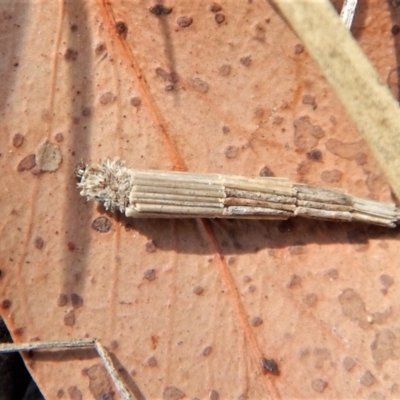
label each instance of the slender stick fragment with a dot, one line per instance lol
(73, 344)
(348, 11)
(51, 344)
(167, 194)
(109, 365)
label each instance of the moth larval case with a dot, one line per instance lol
(171, 194)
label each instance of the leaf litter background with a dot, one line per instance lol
(188, 308)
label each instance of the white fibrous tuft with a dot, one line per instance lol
(108, 183)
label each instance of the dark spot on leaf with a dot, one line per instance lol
(86, 111)
(18, 331)
(319, 385)
(71, 246)
(121, 28)
(39, 243)
(331, 176)
(308, 99)
(100, 48)
(321, 356)
(206, 351)
(219, 18)
(277, 120)
(265, 171)
(260, 33)
(74, 393)
(160, 9)
(214, 395)
(231, 151)
(62, 300)
(184, 21)
(154, 341)
(256, 321)
(215, 7)
(73, 27)
(99, 382)
(71, 54)
(101, 224)
(59, 137)
(348, 151)
(173, 393)
(258, 112)
(18, 140)
(386, 280)
(310, 300)
(152, 362)
(270, 366)
(173, 77)
(252, 288)
(246, 61)
(225, 130)
(27, 163)
(385, 347)
(150, 274)
(225, 70)
(150, 246)
(306, 135)
(76, 300)
(135, 101)
(333, 274)
(348, 363)
(69, 318)
(6, 304)
(303, 168)
(298, 49)
(376, 181)
(199, 85)
(395, 29)
(314, 155)
(107, 98)
(162, 73)
(295, 281)
(198, 290)
(367, 379)
(352, 305)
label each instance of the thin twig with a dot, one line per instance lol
(109, 365)
(348, 11)
(124, 392)
(51, 344)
